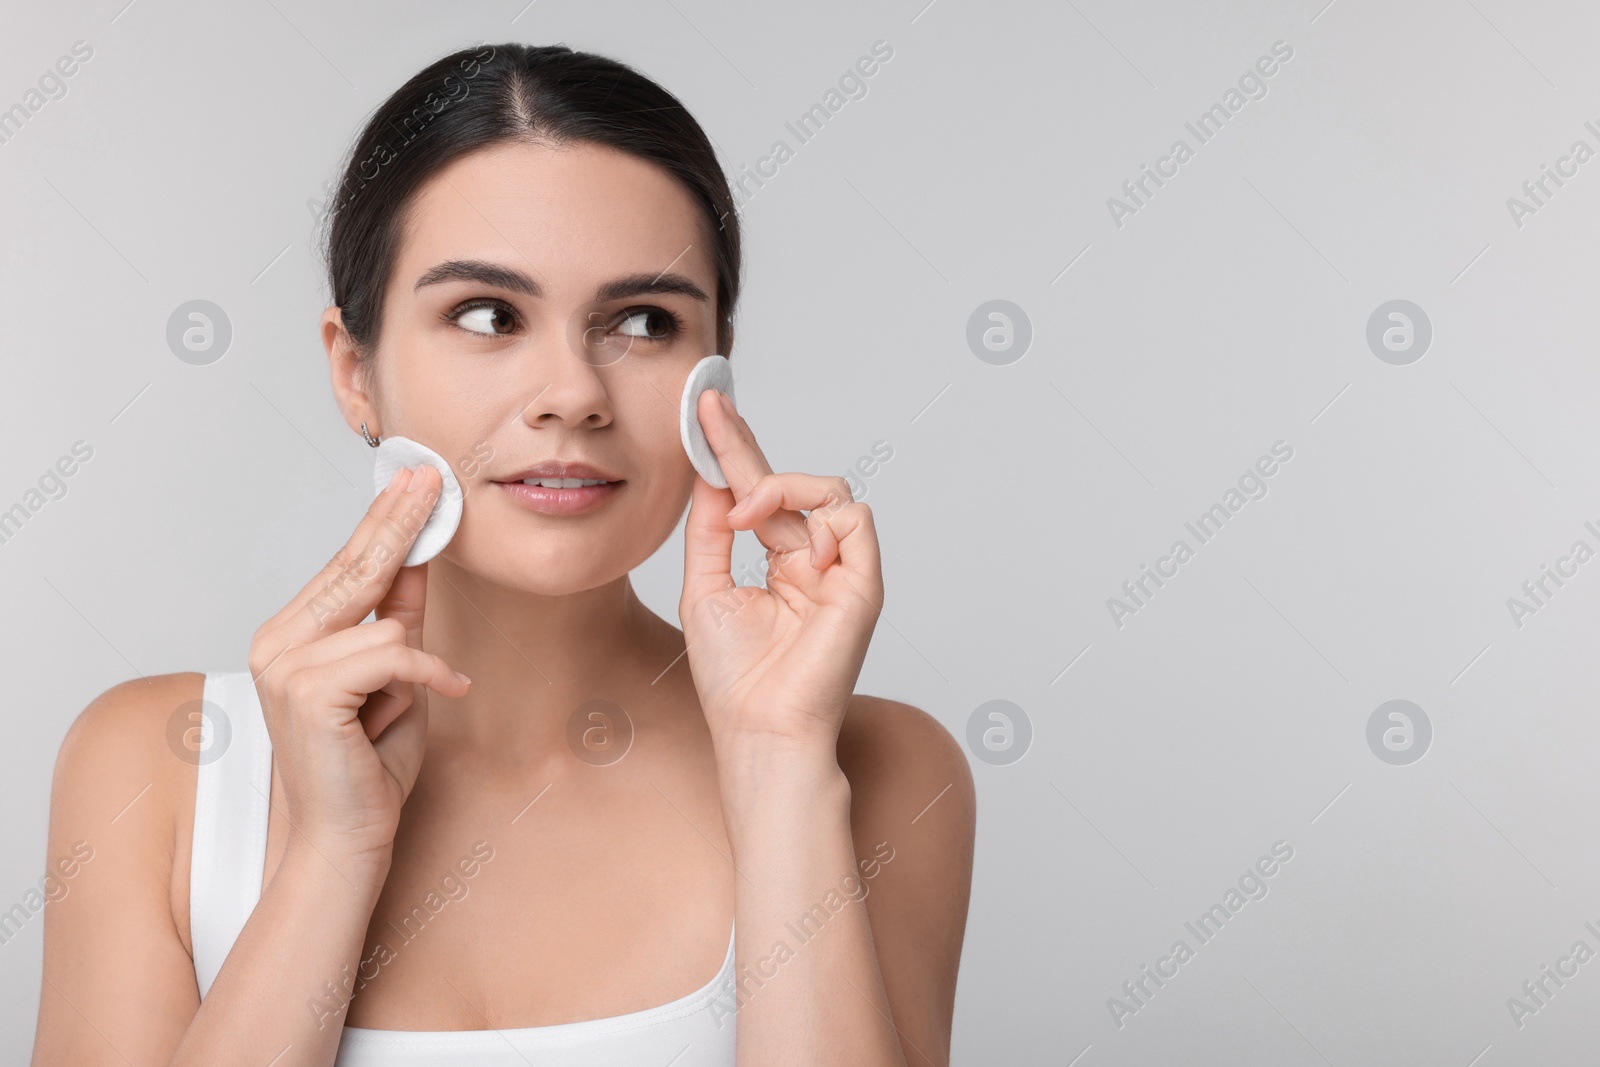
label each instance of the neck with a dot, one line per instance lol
(533, 659)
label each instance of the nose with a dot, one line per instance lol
(563, 379)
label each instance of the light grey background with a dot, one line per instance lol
(1229, 313)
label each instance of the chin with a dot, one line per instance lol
(544, 564)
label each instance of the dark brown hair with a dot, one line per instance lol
(494, 94)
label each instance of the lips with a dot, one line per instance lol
(559, 469)
(572, 489)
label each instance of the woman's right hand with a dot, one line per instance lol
(345, 702)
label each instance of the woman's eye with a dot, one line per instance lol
(657, 324)
(493, 318)
(487, 319)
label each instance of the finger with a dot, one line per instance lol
(403, 604)
(855, 536)
(380, 707)
(360, 573)
(383, 705)
(377, 512)
(386, 706)
(858, 565)
(824, 545)
(405, 600)
(338, 645)
(838, 526)
(707, 544)
(358, 676)
(743, 465)
(740, 457)
(399, 748)
(792, 490)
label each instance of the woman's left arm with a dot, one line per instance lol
(822, 976)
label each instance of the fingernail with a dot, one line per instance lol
(464, 679)
(727, 402)
(395, 479)
(416, 478)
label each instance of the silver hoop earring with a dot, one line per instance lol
(372, 441)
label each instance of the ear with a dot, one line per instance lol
(350, 386)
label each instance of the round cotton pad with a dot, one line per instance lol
(397, 452)
(713, 372)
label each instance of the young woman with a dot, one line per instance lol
(519, 818)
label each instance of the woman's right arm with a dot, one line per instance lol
(341, 703)
(270, 1002)
(119, 985)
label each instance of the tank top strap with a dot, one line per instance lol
(231, 805)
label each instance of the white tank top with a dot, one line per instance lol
(229, 859)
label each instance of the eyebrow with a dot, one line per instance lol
(477, 270)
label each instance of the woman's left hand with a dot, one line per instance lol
(778, 663)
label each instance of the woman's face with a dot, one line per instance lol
(547, 305)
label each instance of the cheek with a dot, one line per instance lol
(453, 414)
(652, 440)
(662, 460)
(645, 407)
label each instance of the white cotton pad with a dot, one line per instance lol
(713, 372)
(397, 452)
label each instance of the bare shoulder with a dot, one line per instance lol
(899, 760)
(123, 733)
(128, 707)
(122, 778)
